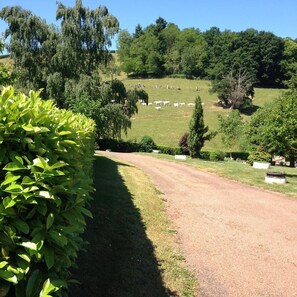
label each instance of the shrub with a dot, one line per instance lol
(239, 155)
(116, 145)
(217, 156)
(46, 157)
(169, 150)
(258, 156)
(183, 143)
(147, 144)
(205, 155)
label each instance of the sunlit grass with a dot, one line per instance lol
(168, 125)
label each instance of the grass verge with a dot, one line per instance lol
(132, 247)
(244, 173)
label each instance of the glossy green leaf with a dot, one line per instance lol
(10, 178)
(34, 283)
(86, 212)
(20, 225)
(28, 181)
(3, 264)
(46, 195)
(14, 166)
(14, 188)
(8, 202)
(49, 220)
(49, 257)
(23, 255)
(8, 276)
(29, 245)
(58, 238)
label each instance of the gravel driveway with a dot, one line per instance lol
(239, 240)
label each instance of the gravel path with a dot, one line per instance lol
(239, 240)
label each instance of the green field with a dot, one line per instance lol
(168, 125)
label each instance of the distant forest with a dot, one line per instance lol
(163, 49)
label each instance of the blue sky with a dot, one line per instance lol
(277, 16)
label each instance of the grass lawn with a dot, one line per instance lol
(244, 173)
(132, 247)
(168, 125)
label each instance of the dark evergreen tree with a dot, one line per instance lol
(198, 131)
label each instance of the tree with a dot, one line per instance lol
(112, 112)
(198, 131)
(191, 48)
(289, 63)
(64, 62)
(270, 55)
(235, 90)
(231, 129)
(51, 58)
(273, 128)
(169, 36)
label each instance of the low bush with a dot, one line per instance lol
(205, 155)
(147, 144)
(169, 150)
(116, 145)
(238, 155)
(183, 143)
(46, 157)
(217, 156)
(258, 156)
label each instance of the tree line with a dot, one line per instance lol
(164, 49)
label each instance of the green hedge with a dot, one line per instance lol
(206, 155)
(117, 145)
(46, 157)
(169, 150)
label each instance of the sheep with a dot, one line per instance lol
(158, 108)
(166, 103)
(175, 104)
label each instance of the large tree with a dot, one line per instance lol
(64, 61)
(273, 128)
(51, 57)
(235, 89)
(231, 128)
(198, 131)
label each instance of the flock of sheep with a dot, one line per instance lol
(161, 103)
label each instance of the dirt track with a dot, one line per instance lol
(241, 241)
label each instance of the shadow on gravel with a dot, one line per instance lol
(119, 260)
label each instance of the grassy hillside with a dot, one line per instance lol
(168, 125)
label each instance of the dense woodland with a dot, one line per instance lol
(164, 49)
